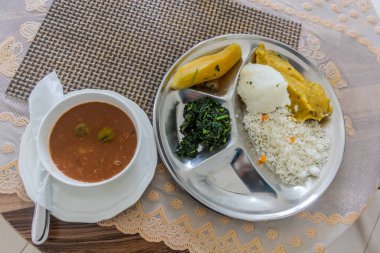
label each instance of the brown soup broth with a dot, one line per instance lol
(79, 149)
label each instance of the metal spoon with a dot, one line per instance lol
(40, 224)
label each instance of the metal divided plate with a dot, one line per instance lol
(228, 180)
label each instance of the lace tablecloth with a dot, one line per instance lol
(342, 38)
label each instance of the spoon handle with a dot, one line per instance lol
(40, 224)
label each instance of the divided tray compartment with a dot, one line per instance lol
(229, 180)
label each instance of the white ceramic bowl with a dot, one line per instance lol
(69, 101)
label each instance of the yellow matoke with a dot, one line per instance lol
(206, 68)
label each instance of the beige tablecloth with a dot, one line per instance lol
(342, 38)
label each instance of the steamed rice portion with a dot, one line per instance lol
(294, 151)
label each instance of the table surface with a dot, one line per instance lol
(75, 237)
(79, 237)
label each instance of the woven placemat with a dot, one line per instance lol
(128, 45)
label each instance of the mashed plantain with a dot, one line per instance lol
(308, 99)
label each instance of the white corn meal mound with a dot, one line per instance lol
(293, 162)
(262, 88)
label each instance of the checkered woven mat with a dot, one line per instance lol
(128, 45)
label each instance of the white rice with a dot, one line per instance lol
(292, 162)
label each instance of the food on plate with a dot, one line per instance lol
(293, 150)
(206, 126)
(206, 68)
(262, 88)
(93, 142)
(283, 110)
(308, 99)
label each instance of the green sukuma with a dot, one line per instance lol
(207, 123)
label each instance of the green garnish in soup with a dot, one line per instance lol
(81, 130)
(106, 134)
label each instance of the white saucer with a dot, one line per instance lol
(96, 203)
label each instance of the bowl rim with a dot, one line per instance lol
(45, 129)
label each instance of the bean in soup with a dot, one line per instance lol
(93, 142)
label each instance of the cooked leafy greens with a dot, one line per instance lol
(207, 123)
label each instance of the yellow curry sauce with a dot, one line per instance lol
(308, 99)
